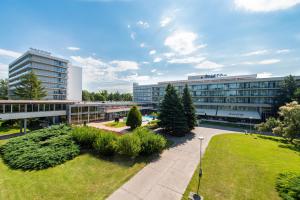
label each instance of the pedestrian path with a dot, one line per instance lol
(167, 177)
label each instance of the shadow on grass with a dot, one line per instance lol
(284, 143)
(276, 139)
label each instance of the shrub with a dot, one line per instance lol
(150, 142)
(85, 135)
(129, 145)
(288, 186)
(105, 143)
(40, 149)
(134, 118)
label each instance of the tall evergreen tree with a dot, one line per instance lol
(30, 88)
(286, 92)
(189, 109)
(171, 115)
(3, 89)
(134, 118)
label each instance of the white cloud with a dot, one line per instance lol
(165, 21)
(142, 45)
(186, 60)
(128, 26)
(254, 53)
(209, 65)
(281, 51)
(192, 74)
(183, 42)
(145, 62)
(264, 75)
(143, 24)
(265, 5)
(137, 78)
(124, 65)
(269, 61)
(152, 52)
(88, 61)
(159, 73)
(169, 54)
(73, 48)
(3, 71)
(9, 53)
(158, 59)
(153, 70)
(132, 35)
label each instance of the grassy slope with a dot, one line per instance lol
(243, 167)
(115, 124)
(85, 177)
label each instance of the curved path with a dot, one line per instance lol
(167, 177)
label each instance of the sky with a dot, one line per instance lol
(118, 42)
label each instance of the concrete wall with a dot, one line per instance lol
(74, 87)
(27, 115)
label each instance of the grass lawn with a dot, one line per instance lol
(243, 167)
(85, 177)
(115, 124)
(6, 131)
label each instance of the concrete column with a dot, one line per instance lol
(25, 125)
(53, 120)
(88, 114)
(21, 127)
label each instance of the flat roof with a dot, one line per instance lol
(36, 101)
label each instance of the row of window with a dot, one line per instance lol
(15, 108)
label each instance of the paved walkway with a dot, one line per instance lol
(167, 177)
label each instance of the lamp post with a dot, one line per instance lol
(197, 196)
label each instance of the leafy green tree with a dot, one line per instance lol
(3, 89)
(85, 95)
(134, 118)
(30, 88)
(98, 97)
(269, 125)
(189, 109)
(289, 126)
(171, 116)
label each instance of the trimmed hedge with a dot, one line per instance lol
(288, 186)
(85, 135)
(40, 149)
(150, 142)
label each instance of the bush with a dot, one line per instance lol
(85, 135)
(288, 186)
(105, 143)
(134, 118)
(150, 142)
(40, 149)
(129, 145)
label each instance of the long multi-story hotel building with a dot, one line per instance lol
(221, 97)
(60, 79)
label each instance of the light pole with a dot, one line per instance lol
(197, 196)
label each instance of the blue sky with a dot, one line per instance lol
(118, 42)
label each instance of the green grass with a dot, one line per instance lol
(85, 177)
(244, 167)
(115, 124)
(9, 130)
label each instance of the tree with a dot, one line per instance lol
(98, 97)
(296, 96)
(30, 88)
(268, 126)
(171, 115)
(286, 92)
(289, 126)
(3, 89)
(189, 109)
(134, 118)
(85, 95)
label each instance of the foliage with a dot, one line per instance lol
(297, 95)
(268, 126)
(189, 109)
(30, 88)
(41, 149)
(134, 118)
(4, 89)
(171, 115)
(289, 126)
(129, 145)
(286, 93)
(105, 143)
(85, 135)
(115, 124)
(288, 186)
(150, 142)
(105, 96)
(152, 124)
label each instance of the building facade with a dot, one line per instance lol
(221, 97)
(51, 71)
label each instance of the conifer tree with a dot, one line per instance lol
(134, 118)
(171, 115)
(189, 109)
(30, 88)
